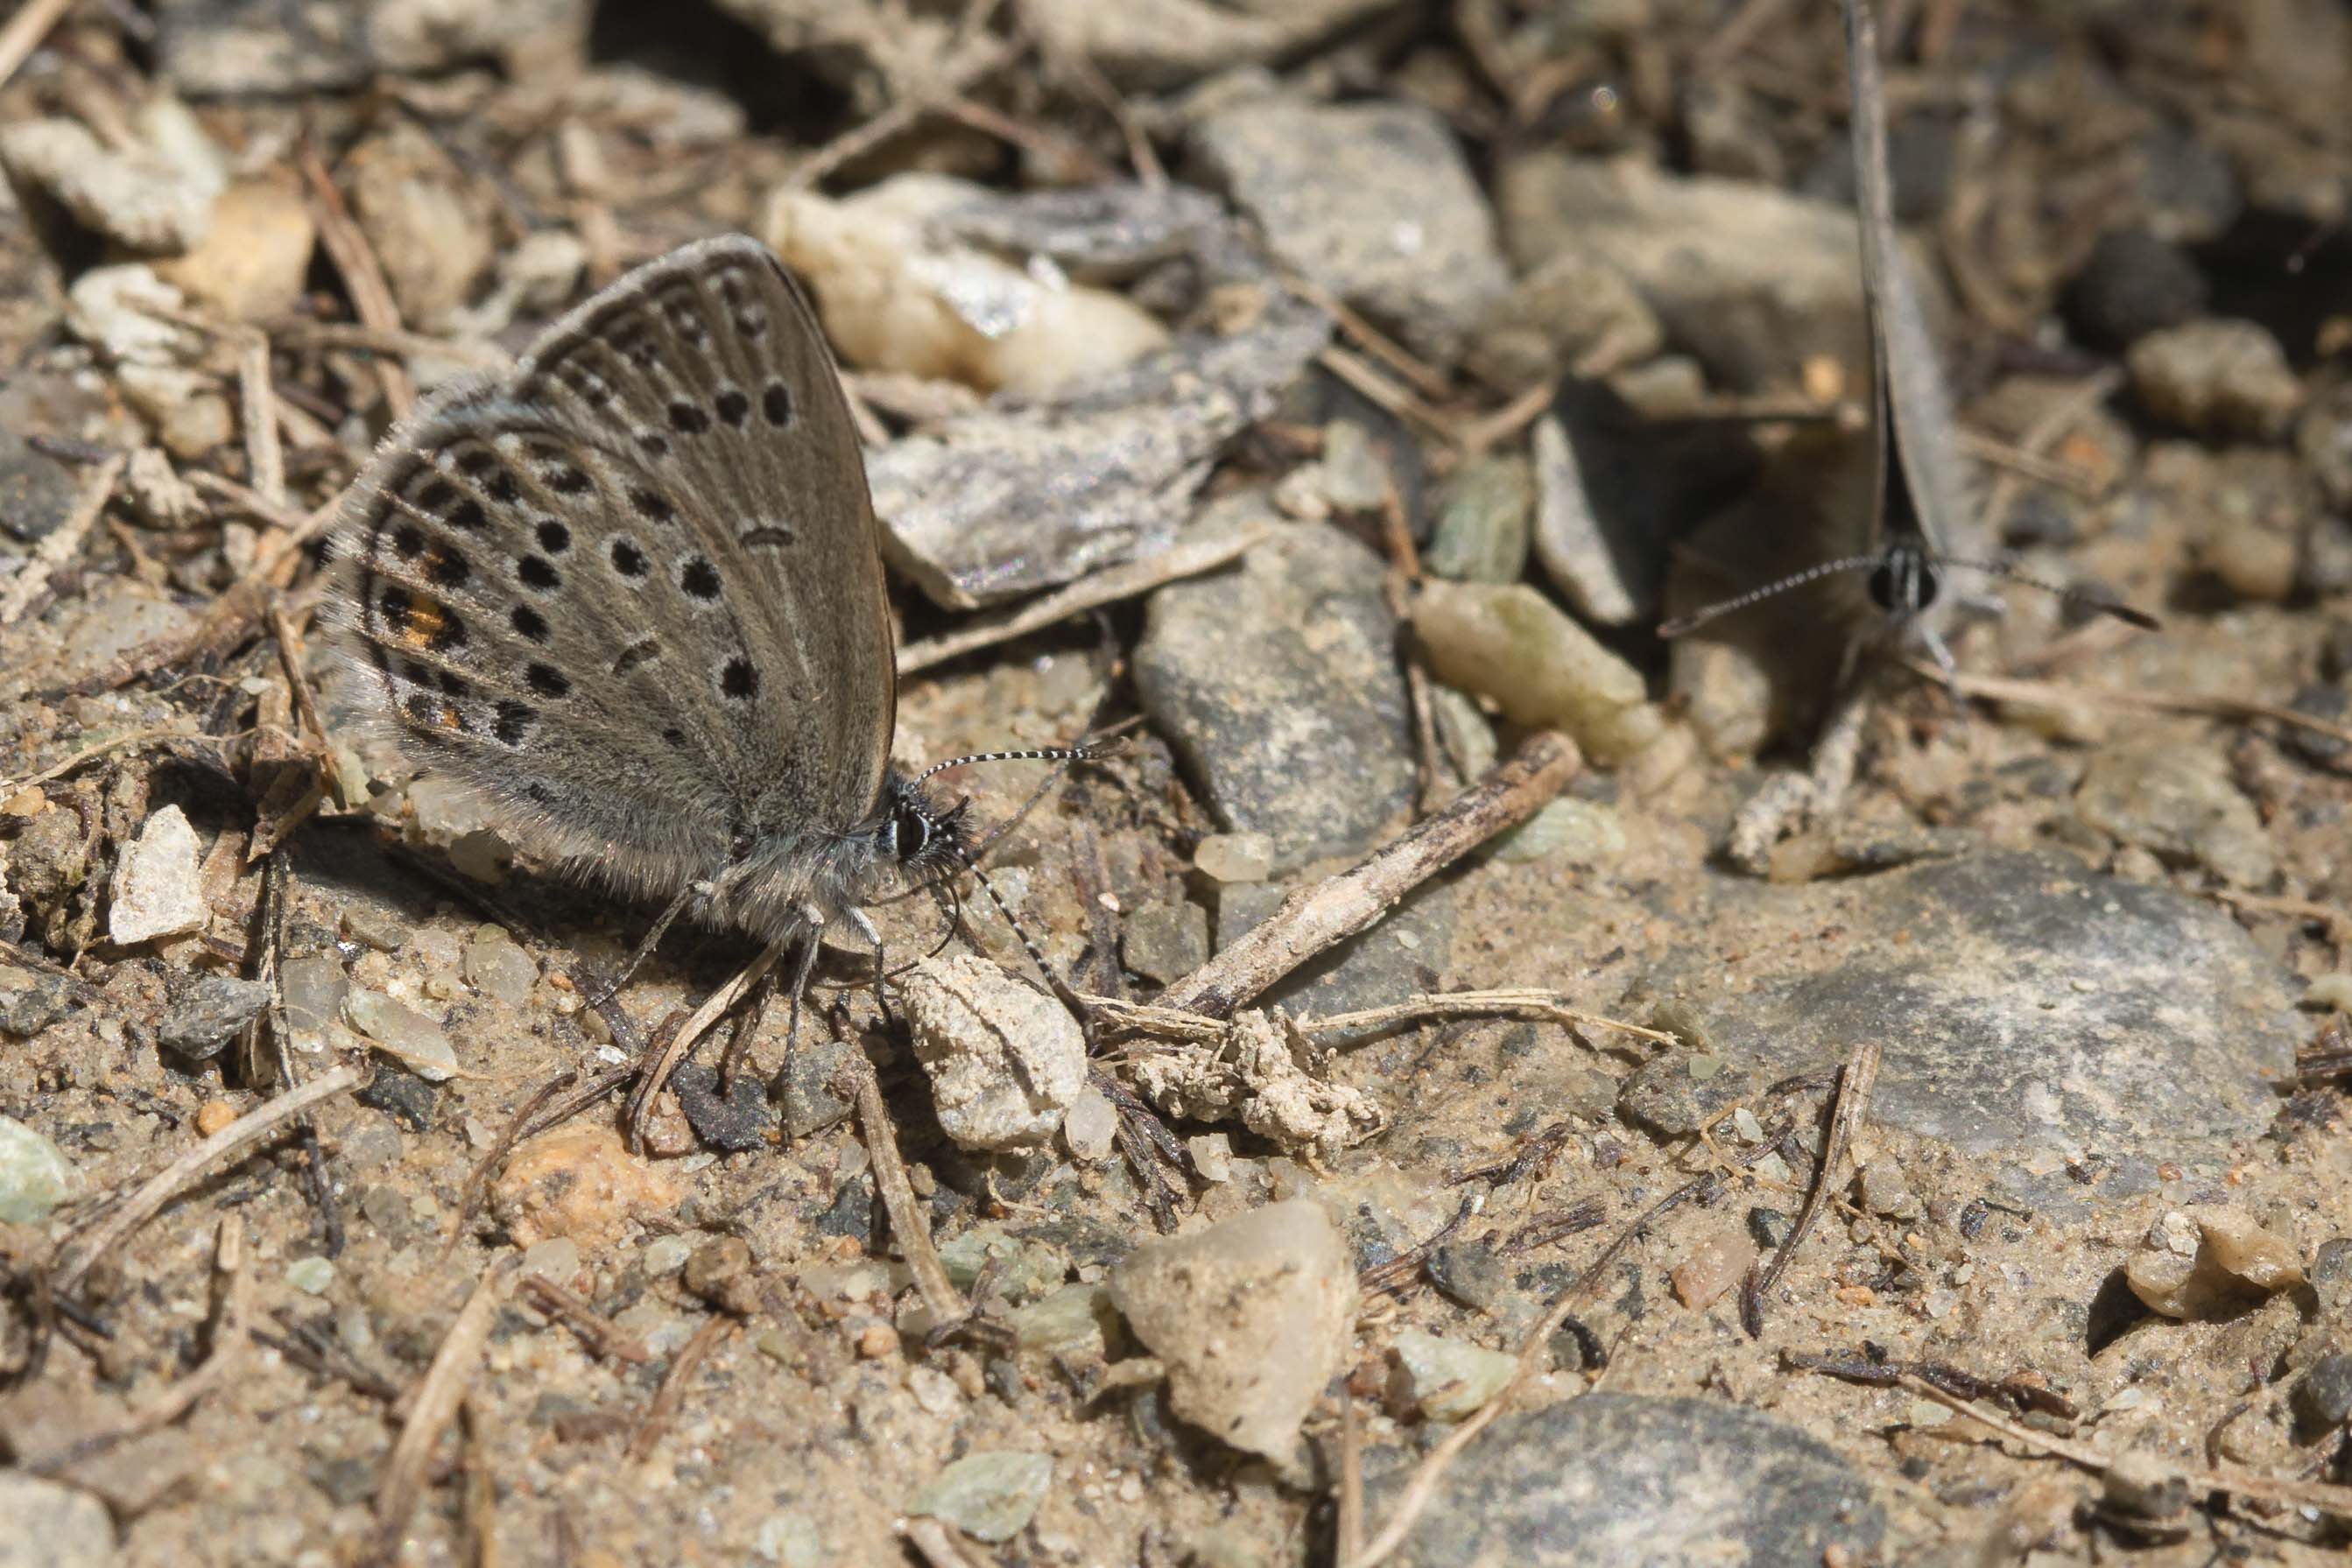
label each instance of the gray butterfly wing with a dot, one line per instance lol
(1910, 404)
(632, 591)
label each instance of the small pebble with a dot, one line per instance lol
(312, 1276)
(2322, 1397)
(35, 1175)
(1006, 1060)
(990, 1497)
(1090, 1130)
(556, 1258)
(1481, 530)
(664, 1256)
(1213, 1155)
(213, 1115)
(499, 969)
(159, 885)
(1509, 643)
(402, 1033)
(209, 1014)
(2217, 377)
(876, 1341)
(1718, 1262)
(1442, 1379)
(375, 926)
(1235, 857)
(1165, 940)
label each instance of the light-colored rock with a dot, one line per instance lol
(1444, 1379)
(254, 258)
(1571, 543)
(52, 1525)
(988, 1496)
(580, 1181)
(158, 883)
(1508, 642)
(1006, 1060)
(1090, 1129)
(893, 299)
(2178, 802)
(402, 1033)
(2209, 1263)
(2218, 378)
(35, 1175)
(1235, 857)
(1251, 1316)
(135, 195)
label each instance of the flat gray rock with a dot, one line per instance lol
(1373, 201)
(2027, 1006)
(1628, 1481)
(1277, 683)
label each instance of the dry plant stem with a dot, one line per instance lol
(166, 1184)
(289, 660)
(249, 500)
(1364, 379)
(946, 1302)
(390, 341)
(1313, 919)
(26, 30)
(137, 738)
(232, 1331)
(1188, 558)
(981, 56)
(598, 1332)
(68, 536)
(2321, 1495)
(1506, 422)
(432, 1404)
(256, 410)
(1854, 1085)
(1351, 1543)
(2016, 463)
(672, 1392)
(2105, 699)
(362, 278)
(1526, 1003)
(657, 1074)
(2048, 431)
(1377, 343)
(481, 1487)
(938, 1543)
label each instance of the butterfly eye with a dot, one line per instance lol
(910, 832)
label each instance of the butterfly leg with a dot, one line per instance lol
(747, 1030)
(881, 962)
(1941, 652)
(662, 921)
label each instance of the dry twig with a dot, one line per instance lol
(431, 1405)
(26, 30)
(939, 1294)
(1313, 919)
(1854, 1084)
(62, 541)
(672, 1392)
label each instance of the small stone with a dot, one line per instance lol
(482, 855)
(580, 1181)
(1074, 1320)
(1512, 645)
(499, 969)
(1472, 1273)
(213, 1115)
(1165, 940)
(1211, 1155)
(1090, 1130)
(209, 1014)
(1883, 1191)
(2217, 377)
(664, 1256)
(733, 1122)
(1235, 857)
(556, 1258)
(254, 259)
(2180, 801)
(1252, 1316)
(2330, 991)
(35, 1175)
(2209, 1264)
(434, 228)
(31, 1001)
(875, 1340)
(315, 987)
(1481, 535)
(1442, 1379)
(990, 1497)
(1373, 201)
(312, 1276)
(1585, 832)
(403, 1095)
(402, 1033)
(372, 924)
(1719, 1261)
(1355, 472)
(811, 1106)
(2132, 285)
(2322, 1397)
(159, 885)
(1277, 684)
(135, 195)
(722, 1272)
(1006, 1060)
(52, 1525)
(1607, 583)
(1574, 312)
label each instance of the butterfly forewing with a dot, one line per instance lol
(1910, 404)
(633, 588)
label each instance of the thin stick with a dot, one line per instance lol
(2106, 699)
(1508, 420)
(1404, 404)
(1312, 919)
(2047, 432)
(393, 340)
(946, 1302)
(672, 1392)
(655, 1077)
(2016, 463)
(599, 1334)
(1379, 345)
(257, 410)
(290, 661)
(116, 743)
(1077, 160)
(430, 1404)
(1528, 1003)
(1350, 1544)
(26, 30)
(63, 540)
(1854, 1085)
(982, 55)
(362, 278)
(231, 1334)
(277, 514)
(2321, 1495)
(166, 1184)
(1188, 558)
